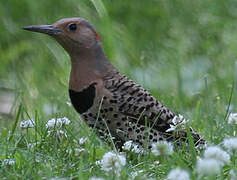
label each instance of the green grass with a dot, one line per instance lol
(183, 52)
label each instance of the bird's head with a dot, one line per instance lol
(74, 34)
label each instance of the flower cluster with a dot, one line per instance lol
(178, 174)
(31, 145)
(178, 123)
(233, 175)
(134, 174)
(162, 148)
(232, 118)
(215, 152)
(57, 122)
(96, 178)
(83, 140)
(214, 158)
(27, 124)
(230, 144)
(208, 167)
(59, 133)
(130, 146)
(8, 162)
(112, 162)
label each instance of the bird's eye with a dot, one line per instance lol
(72, 27)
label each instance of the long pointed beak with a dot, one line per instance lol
(46, 29)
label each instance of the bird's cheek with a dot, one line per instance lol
(64, 42)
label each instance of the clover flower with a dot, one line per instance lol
(113, 162)
(178, 174)
(233, 175)
(57, 122)
(27, 124)
(83, 140)
(134, 174)
(8, 162)
(162, 148)
(130, 146)
(79, 151)
(69, 103)
(232, 118)
(96, 178)
(31, 145)
(208, 167)
(215, 152)
(58, 133)
(178, 123)
(230, 144)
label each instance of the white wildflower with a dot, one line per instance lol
(8, 162)
(69, 151)
(113, 161)
(232, 118)
(130, 146)
(58, 133)
(230, 144)
(58, 178)
(208, 167)
(61, 133)
(27, 124)
(99, 162)
(134, 174)
(49, 133)
(233, 175)
(83, 140)
(78, 151)
(178, 174)
(57, 122)
(31, 145)
(178, 123)
(215, 152)
(162, 148)
(96, 178)
(127, 145)
(69, 103)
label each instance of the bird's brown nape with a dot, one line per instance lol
(127, 111)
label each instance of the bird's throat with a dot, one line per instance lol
(87, 67)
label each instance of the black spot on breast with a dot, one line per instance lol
(139, 100)
(124, 119)
(152, 115)
(118, 124)
(113, 101)
(141, 109)
(148, 107)
(84, 99)
(122, 106)
(133, 92)
(135, 107)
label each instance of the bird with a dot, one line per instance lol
(119, 109)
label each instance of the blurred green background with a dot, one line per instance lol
(184, 52)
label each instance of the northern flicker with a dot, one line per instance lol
(106, 99)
